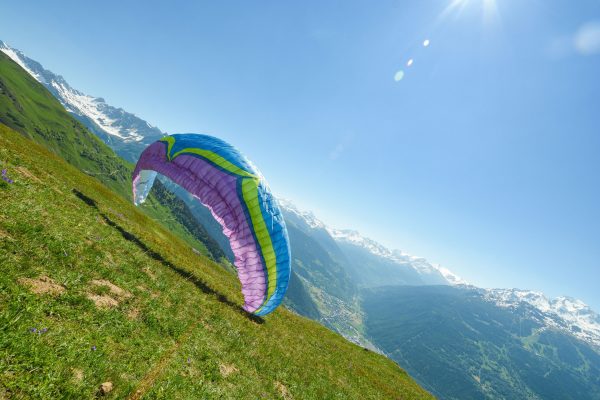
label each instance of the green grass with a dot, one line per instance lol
(181, 324)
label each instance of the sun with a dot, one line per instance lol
(489, 8)
(455, 3)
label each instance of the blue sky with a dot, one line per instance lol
(484, 158)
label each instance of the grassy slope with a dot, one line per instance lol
(27, 107)
(182, 324)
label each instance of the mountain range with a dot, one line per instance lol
(457, 340)
(395, 268)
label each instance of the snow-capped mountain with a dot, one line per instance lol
(307, 217)
(125, 132)
(398, 256)
(423, 267)
(564, 313)
(429, 273)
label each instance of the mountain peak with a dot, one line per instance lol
(563, 312)
(25, 63)
(452, 278)
(354, 237)
(307, 216)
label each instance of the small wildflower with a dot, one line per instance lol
(32, 330)
(189, 360)
(93, 348)
(5, 178)
(44, 330)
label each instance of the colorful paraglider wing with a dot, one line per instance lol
(233, 189)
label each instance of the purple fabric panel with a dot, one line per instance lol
(218, 191)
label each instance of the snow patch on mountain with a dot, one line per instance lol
(75, 101)
(307, 216)
(452, 278)
(563, 312)
(420, 264)
(357, 239)
(17, 57)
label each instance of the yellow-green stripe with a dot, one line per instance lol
(250, 194)
(209, 155)
(217, 160)
(170, 141)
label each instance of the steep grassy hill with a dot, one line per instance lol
(92, 291)
(27, 107)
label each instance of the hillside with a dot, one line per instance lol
(328, 294)
(27, 107)
(460, 344)
(333, 265)
(113, 296)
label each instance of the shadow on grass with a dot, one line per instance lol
(156, 256)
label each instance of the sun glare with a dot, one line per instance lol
(454, 9)
(490, 11)
(489, 8)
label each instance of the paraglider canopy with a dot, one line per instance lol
(235, 192)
